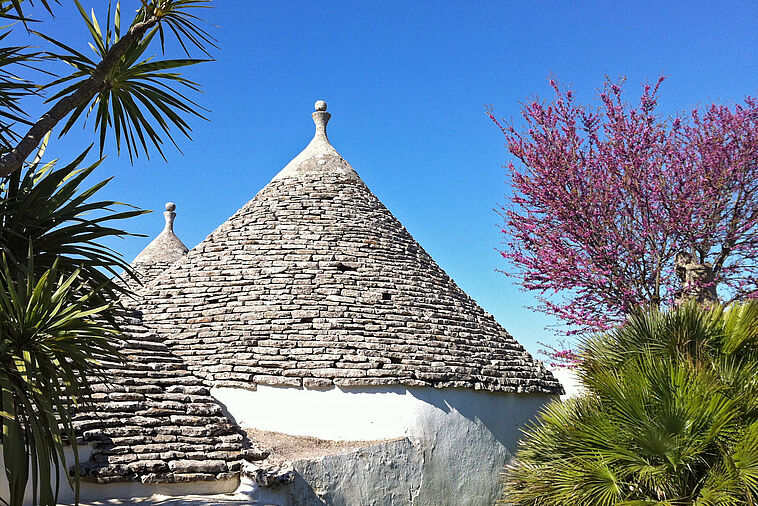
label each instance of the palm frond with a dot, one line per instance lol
(177, 16)
(14, 9)
(54, 211)
(12, 90)
(142, 99)
(669, 417)
(51, 345)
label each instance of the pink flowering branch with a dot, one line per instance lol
(603, 199)
(561, 355)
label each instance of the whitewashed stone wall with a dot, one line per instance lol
(452, 443)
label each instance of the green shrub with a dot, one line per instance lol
(669, 417)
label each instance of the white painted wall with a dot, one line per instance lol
(453, 444)
(569, 380)
(336, 414)
(94, 492)
(65, 492)
(463, 437)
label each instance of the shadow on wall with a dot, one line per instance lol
(297, 492)
(462, 439)
(168, 501)
(466, 437)
(504, 415)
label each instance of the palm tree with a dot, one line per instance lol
(669, 417)
(58, 305)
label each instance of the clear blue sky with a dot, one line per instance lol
(407, 84)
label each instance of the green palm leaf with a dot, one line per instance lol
(13, 89)
(8, 7)
(669, 417)
(53, 211)
(141, 94)
(51, 343)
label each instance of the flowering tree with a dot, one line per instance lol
(615, 207)
(560, 355)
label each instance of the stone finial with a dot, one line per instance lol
(166, 248)
(170, 216)
(319, 156)
(321, 118)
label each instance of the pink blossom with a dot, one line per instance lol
(604, 197)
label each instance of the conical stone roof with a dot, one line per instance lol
(315, 283)
(153, 421)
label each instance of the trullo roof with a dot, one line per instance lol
(153, 421)
(315, 283)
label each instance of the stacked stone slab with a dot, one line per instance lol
(314, 283)
(152, 421)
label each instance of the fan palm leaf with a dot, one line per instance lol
(669, 417)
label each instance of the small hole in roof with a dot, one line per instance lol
(386, 296)
(344, 268)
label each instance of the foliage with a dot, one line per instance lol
(605, 198)
(58, 305)
(52, 211)
(51, 347)
(12, 90)
(560, 356)
(14, 9)
(130, 92)
(134, 81)
(669, 417)
(57, 318)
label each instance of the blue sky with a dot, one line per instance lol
(407, 84)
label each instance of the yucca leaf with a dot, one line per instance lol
(132, 101)
(52, 339)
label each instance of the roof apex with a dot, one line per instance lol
(319, 156)
(166, 247)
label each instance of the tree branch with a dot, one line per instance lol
(90, 87)
(729, 239)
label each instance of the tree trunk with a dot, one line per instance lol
(697, 281)
(97, 82)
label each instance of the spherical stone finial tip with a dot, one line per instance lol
(321, 105)
(170, 207)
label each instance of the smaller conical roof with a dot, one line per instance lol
(163, 251)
